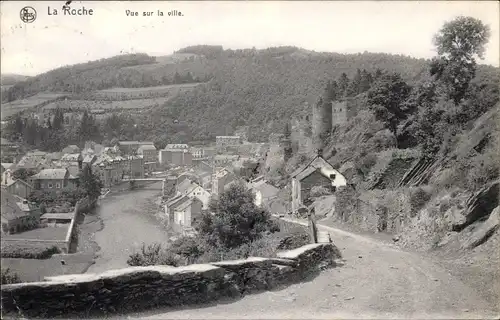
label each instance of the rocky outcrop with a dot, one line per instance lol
(136, 288)
(482, 232)
(479, 206)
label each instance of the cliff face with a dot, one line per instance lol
(425, 204)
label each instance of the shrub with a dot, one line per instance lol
(318, 191)
(346, 202)
(418, 198)
(8, 277)
(237, 219)
(187, 247)
(28, 252)
(484, 168)
(294, 241)
(365, 163)
(152, 254)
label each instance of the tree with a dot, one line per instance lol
(366, 81)
(58, 122)
(90, 182)
(386, 98)
(343, 84)
(354, 87)
(237, 219)
(459, 43)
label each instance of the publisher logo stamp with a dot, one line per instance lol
(28, 14)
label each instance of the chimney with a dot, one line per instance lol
(320, 152)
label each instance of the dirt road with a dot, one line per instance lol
(377, 281)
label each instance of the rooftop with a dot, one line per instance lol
(58, 174)
(10, 209)
(65, 215)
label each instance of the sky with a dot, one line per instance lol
(397, 27)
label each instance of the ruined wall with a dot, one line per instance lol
(139, 288)
(301, 135)
(375, 210)
(339, 112)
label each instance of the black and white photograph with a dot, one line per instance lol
(250, 159)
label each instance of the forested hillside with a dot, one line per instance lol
(258, 88)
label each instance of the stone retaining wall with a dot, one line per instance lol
(139, 288)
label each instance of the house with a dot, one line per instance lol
(175, 157)
(150, 156)
(130, 147)
(187, 213)
(17, 214)
(264, 193)
(149, 153)
(225, 159)
(18, 188)
(72, 159)
(225, 141)
(220, 179)
(89, 159)
(171, 204)
(192, 189)
(317, 172)
(204, 166)
(109, 173)
(6, 170)
(135, 168)
(182, 211)
(71, 149)
(109, 169)
(55, 156)
(197, 152)
(205, 179)
(49, 179)
(33, 164)
(177, 146)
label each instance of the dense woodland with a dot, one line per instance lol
(263, 89)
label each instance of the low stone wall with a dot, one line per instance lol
(139, 288)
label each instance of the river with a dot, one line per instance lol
(127, 220)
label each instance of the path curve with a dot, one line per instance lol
(378, 280)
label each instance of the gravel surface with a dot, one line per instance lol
(378, 280)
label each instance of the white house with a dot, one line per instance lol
(194, 190)
(317, 172)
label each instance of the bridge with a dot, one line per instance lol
(145, 180)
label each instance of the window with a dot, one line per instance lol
(58, 185)
(49, 185)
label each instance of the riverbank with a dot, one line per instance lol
(123, 222)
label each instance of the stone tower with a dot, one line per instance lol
(321, 123)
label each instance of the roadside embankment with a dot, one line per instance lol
(136, 288)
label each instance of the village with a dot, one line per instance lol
(251, 170)
(191, 176)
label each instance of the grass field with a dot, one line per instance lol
(93, 104)
(13, 107)
(47, 233)
(150, 89)
(31, 270)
